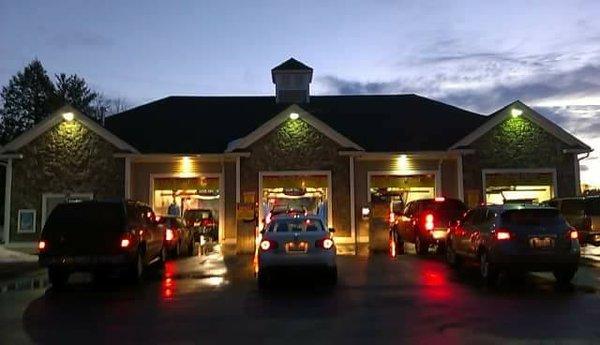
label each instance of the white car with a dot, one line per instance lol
(296, 242)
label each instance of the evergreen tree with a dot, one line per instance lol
(28, 98)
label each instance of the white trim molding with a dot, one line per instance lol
(518, 171)
(56, 118)
(7, 200)
(352, 200)
(504, 113)
(327, 173)
(283, 116)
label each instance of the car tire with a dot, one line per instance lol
(191, 247)
(452, 258)
(162, 258)
(441, 249)
(58, 277)
(177, 250)
(136, 270)
(397, 243)
(564, 275)
(421, 247)
(332, 276)
(487, 270)
(263, 278)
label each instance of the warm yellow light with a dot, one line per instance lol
(68, 116)
(294, 116)
(186, 165)
(516, 112)
(402, 164)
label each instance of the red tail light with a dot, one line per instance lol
(266, 245)
(127, 240)
(573, 234)
(125, 243)
(169, 235)
(503, 234)
(325, 243)
(42, 246)
(392, 217)
(429, 222)
(440, 199)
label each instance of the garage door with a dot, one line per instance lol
(399, 190)
(201, 192)
(526, 187)
(300, 191)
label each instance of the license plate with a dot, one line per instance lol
(296, 247)
(541, 242)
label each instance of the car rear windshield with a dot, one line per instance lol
(296, 225)
(593, 206)
(541, 217)
(447, 209)
(197, 214)
(167, 221)
(89, 217)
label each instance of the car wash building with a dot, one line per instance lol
(350, 159)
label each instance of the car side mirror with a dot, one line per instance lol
(331, 230)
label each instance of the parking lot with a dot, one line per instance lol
(214, 299)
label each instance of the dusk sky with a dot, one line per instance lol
(466, 53)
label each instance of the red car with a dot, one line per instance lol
(179, 238)
(425, 222)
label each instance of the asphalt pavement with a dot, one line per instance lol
(379, 300)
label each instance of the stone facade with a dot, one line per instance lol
(296, 145)
(68, 158)
(518, 143)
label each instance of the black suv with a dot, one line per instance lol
(515, 239)
(100, 237)
(424, 222)
(583, 213)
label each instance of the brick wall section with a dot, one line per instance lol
(69, 158)
(295, 145)
(519, 143)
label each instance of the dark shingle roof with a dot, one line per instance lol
(377, 123)
(291, 64)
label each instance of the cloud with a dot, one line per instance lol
(583, 167)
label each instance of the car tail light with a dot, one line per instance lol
(42, 245)
(325, 243)
(573, 234)
(392, 217)
(267, 245)
(169, 235)
(503, 234)
(125, 243)
(440, 199)
(429, 221)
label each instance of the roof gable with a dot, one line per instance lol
(283, 116)
(528, 113)
(54, 119)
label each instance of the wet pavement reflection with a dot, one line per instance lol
(214, 299)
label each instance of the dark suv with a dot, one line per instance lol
(100, 237)
(584, 214)
(515, 239)
(425, 222)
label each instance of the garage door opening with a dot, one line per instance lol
(301, 192)
(176, 195)
(400, 190)
(521, 187)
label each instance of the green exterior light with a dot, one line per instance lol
(294, 116)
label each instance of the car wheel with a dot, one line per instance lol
(263, 279)
(421, 247)
(191, 247)
(178, 250)
(564, 275)
(58, 277)
(162, 258)
(441, 249)
(332, 276)
(452, 258)
(489, 273)
(136, 271)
